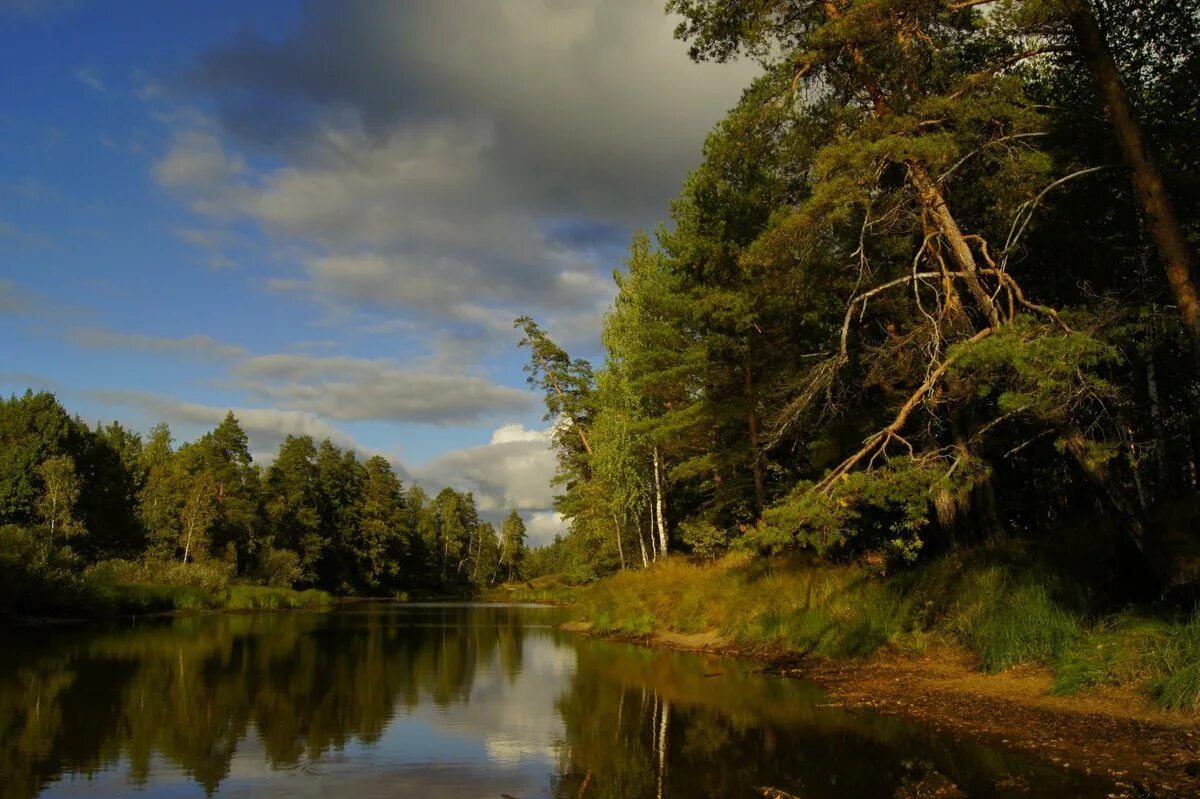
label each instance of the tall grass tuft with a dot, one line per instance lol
(1021, 624)
(1178, 661)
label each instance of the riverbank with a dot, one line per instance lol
(989, 647)
(157, 599)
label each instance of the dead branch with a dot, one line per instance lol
(880, 440)
(867, 295)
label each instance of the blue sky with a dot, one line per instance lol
(325, 215)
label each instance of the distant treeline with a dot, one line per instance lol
(73, 496)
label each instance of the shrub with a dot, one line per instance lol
(280, 568)
(261, 597)
(705, 538)
(211, 576)
(37, 575)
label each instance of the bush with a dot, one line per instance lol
(37, 575)
(211, 575)
(705, 538)
(261, 597)
(280, 568)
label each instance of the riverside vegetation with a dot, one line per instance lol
(918, 358)
(96, 520)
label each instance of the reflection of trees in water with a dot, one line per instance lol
(190, 690)
(647, 723)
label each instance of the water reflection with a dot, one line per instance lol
(391, 700)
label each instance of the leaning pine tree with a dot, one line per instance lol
(926, 174)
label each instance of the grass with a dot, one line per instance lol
(104, 593)
(261, 597)
(1002, 607)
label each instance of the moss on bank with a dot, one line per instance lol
(1002, 608)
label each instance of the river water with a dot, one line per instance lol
(398, 700)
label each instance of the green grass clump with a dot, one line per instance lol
(1119, 650)
(1177, 659)
(259, 597)
(150, 598)
(1021, 624)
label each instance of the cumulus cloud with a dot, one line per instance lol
(469, 172)
(591, 103)
(512, 471)
(543, 526)
(197, 162)
(349, 388)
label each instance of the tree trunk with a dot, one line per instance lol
(642, 545)
(1161, 218)
(587, 446)
(653, 534)
(1156, 424)
(187, 542)
(935, 205)
(1151, 546)
(660, 505)
(752, 423)
(620, 547)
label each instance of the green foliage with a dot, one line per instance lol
(902, 306)
(705, 539)
(100, 520)
(279, 568)
(210, 576)
(1035, 369)
(37, 573)
(884, 509)
(258, 597)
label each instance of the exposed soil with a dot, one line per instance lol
(1114, 732)
(1150, 753)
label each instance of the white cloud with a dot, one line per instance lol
(350, 388)
(197, 162)
(542, 526)
(513, 470)
(516, 432)
(461, 173)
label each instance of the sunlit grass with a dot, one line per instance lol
(1000, 607)
(258, 597)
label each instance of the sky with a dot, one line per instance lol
(324, 216)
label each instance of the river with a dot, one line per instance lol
(389, 700)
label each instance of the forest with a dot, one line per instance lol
(101, 518)
(931, 289)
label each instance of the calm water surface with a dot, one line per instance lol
(383, 700)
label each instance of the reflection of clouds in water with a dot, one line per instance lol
(508, 750)
(484, 719)
(513, 715)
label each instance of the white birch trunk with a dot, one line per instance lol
(660, 509)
